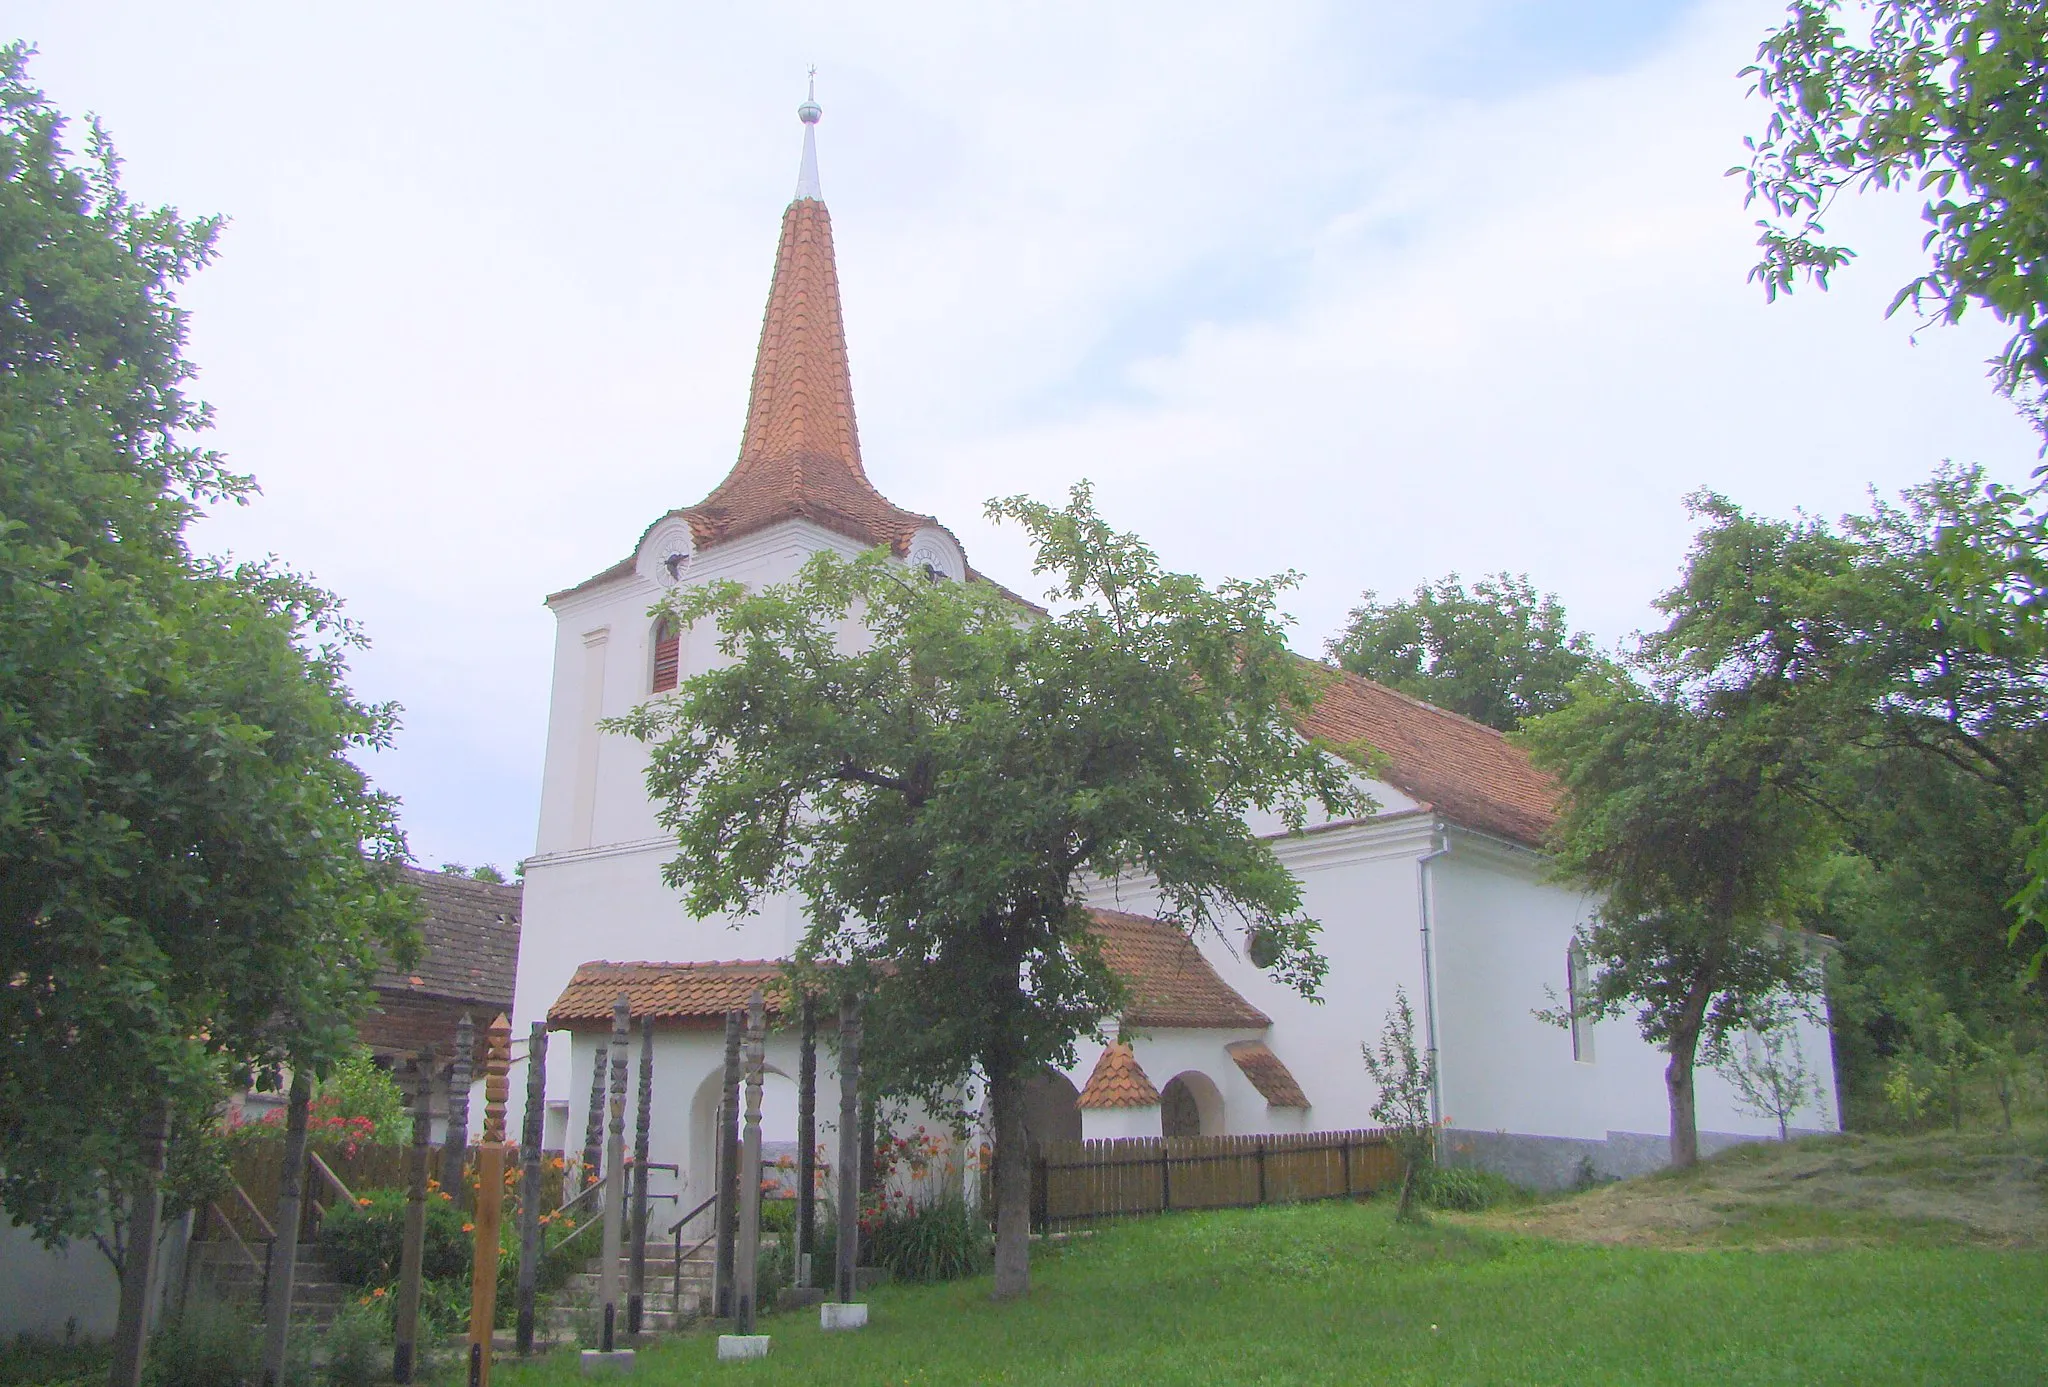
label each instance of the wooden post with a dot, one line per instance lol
(1262, 1171)
(807, 1143)
(455, 1141)
(848, 1247)
(138, 1268)
(593, 1124)
(405, 1336)
(490, 1203)
(748, 1250)
(615, 1177)
(1345, 1143)
(867, 1147)
(284, 1251)
(636, 1277)
(728, 1164)
(531, 1132)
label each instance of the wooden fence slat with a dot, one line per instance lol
(1084, 1180)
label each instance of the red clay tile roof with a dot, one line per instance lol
(1269, 1076)
(1464, 770)
(800, 455)
(470, 942)
(700, 993)
(1118, 1082)
(1171, 985)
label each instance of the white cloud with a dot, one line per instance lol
(1311, 286)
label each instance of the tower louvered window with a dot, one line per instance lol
(667, 655)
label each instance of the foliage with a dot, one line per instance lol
(938, 1240)
(1767, 1069)
(358, 1087)
(358, 1347)
(1310, 1292)
(1406, 1079)
(489, 871)
(1463, 1189)
(208, 1343)
(1940, 95)
(195, 880)
(1685, 811)
(28, 1361)
(1498, 653)
(362, 1242)
(938, 792)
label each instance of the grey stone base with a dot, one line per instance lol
(737, 1348)
(835, 1314)
(1555, 1163)
(598, 1361)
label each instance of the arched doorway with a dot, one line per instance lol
(778, 1134)
(1052, 1109)
(1190, 1106)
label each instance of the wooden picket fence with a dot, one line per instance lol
(1080, 1181)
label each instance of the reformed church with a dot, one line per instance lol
(1441, 891)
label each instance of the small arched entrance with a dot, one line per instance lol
(1190, 1106)
(1052, 1109)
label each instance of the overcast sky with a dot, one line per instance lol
(1371, 290)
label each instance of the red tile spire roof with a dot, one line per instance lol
(800, 455)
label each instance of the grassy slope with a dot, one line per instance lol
(1341, 1293)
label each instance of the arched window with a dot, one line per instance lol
(667, 655)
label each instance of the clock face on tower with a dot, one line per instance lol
(664, 557)
(933, 553)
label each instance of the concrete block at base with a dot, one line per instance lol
(799, 1297)
(596, 1360)
(737, 1348)
(834, 1314)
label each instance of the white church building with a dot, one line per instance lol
(1441, 892)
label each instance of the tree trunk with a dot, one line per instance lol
(284, 1253)
(138, 1270)
(1683, 1048)
(1013, 1187)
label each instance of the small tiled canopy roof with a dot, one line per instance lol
(470, 939)
(1269, 1076)
(1118, 1082)
(1171, 985)
(1464, 770)
(689, 993)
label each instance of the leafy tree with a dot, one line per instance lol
(1685, 813)
(1405, 1077)
(1497, 653)
(937, 786)
(1767, 1069)
(1941, 95)
(195, 881)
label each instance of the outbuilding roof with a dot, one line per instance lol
(1118, 1081)
(1273, 1079)
(1171, 985)
(470, 942)
(699, 993)
(1464, 770)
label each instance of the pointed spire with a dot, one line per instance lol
(810, 113)
(800, 455)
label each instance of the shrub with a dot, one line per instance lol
(1464, 1190)
(73, 1362)
(358, 1346)
(937, 1241)
(362, 1242)
(207, 1344)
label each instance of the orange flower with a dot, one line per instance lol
(363, 1200)
(471, 1228)
(379, 1293)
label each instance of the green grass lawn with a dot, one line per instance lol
(1341, 1293)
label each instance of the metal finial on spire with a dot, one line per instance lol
(807, 173)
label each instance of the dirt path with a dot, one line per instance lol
(1982, 1189)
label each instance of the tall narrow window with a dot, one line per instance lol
(1578, 987)
(667, 655)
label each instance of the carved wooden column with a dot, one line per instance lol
(455, 1141)
(748, 1249)
(636, 1276)
(404, 1349)
(615, 1176)
(807, 1143)
(531, 1132)
(593, 1123)
(490, 1202)
(728, 1166)
(848, 1246)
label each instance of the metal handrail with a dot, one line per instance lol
(676, 1228)
(589, 1192)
